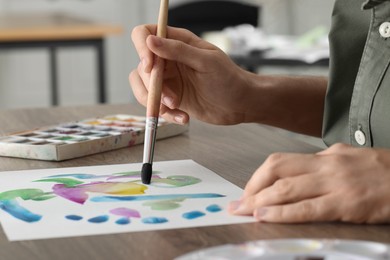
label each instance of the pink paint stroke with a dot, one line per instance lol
(126, 212)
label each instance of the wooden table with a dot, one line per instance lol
(53, 31)
(233, 152)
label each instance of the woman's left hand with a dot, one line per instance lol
(341, 183)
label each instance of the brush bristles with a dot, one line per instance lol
(146, 173)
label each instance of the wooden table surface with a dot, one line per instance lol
(234, 152)
(51, 26)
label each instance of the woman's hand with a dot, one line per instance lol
(341, 183)
(199, 79)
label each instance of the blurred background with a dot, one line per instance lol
(289, 37)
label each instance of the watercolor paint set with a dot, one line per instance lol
(81, 138)
(295, 249)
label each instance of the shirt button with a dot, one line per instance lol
(360, 137)
(384, 29)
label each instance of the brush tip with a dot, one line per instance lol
(146, 173)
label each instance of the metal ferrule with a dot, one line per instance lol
(150, 138)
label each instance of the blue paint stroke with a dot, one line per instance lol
(154, 220)
(82, 176)
(13, 208)
(123, 221)
(98, 219)
(214, 208)
(193, 214)
(74, 217)
(156, 197)
(86, 176)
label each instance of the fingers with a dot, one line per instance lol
(175, 115)
(279, 166)
(283, 191)
(141, 94)
(138, 87)
(139, 35)
(320, 209)
(179, 51)
(142, 32)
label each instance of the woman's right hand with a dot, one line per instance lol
(200, 80)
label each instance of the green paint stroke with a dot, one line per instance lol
(66, 181)
(25, 194)
(133, 173)
(176, 181)
(164, 204)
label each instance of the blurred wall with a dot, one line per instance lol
(24, 80)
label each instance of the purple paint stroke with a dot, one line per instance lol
(126, 212)
(77, 195)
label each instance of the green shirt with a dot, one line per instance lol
(357, 105)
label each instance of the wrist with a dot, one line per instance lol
(257, 97)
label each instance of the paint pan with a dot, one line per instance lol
(40, 143)
(21, 141)
(47, 131)
(29, 135)
(64, 138)
(69, 132)
(86, 133)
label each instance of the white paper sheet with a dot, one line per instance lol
(52, 203)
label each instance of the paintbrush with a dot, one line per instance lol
(154, 99)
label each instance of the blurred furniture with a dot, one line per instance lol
(253, 61)
(54, 31)
(202, 16)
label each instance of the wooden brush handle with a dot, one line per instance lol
(157, 74)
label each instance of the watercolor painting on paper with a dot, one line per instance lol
(112, 199)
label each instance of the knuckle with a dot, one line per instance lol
(283, 187)
(339, 147)
(339, 162)
(274, 158)
(179, 46)
(135, 31)
(132, 76)
(308, 211)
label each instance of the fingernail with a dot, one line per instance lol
(234, 205)
(179, 119)
(168, 101)
(260, 213)
(157, 41)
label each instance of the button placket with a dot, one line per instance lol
(374, 61)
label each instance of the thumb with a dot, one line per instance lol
(179, 51)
